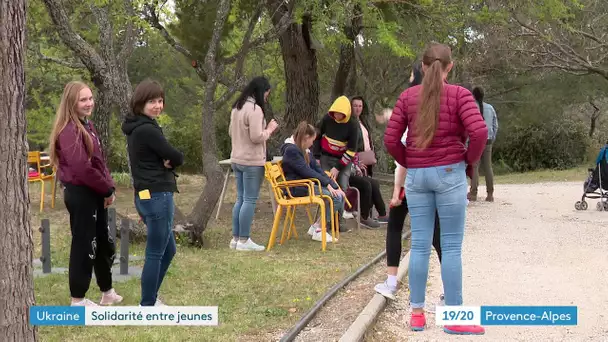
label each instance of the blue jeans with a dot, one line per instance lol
(248, 182)
(157, 214)
(338, 205)
(443, 188)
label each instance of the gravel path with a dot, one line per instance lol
(530, 247)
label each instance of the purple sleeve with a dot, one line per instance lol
(75, 156)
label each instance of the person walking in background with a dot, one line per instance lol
(248, 132)
(438, 116)
(89, 190)
(489, 116)
(153, 161)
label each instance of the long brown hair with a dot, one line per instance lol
(303, 131)
(437, 58)
(66, 112)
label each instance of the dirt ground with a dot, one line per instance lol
(530, 247)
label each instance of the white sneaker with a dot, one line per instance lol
(249, 245)
(317, 236)
(312, 229)
(232, 243)
(348, 215)
(84, 302)
(110, 297)
(386, 290)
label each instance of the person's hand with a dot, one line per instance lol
(167, 164)
(333, 173)
(108, 201)
(394, 202)
(335, 192)
(469, 171)
(358, 171)
(272, 126)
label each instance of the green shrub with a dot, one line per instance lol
(559, 145)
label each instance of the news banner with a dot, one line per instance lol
(208, 315)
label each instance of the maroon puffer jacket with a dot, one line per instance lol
(75, 166)
(459, 117)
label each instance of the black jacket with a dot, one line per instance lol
(148, 148)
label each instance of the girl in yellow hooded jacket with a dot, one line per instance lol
(336, 144)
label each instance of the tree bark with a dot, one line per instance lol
(211, 168)
(343, 77)
(108, 67)
(16, 244)
(103, 112)
(300, 65)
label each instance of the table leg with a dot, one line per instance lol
(219, 205)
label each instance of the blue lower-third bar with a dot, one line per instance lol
(529, 315)
(57, 315)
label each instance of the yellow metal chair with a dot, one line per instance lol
(38, 176)
(284, 199)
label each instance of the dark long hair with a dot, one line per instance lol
(478, 94)
(417, 70)
(256, 89)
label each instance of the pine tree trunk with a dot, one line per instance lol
(16, 282)
(302, 81)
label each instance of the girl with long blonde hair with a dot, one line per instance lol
(88, 191)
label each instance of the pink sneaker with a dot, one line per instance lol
(110, 297)
(417, 321)
(464, 329)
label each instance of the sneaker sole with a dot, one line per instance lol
(110, 304)
(387, 295)
(447, 331)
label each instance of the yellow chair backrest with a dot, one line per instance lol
(34, 158)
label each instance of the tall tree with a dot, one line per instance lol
(108, 63)
(299, 63)
(564, 35)
(214, 70)
(17, 285)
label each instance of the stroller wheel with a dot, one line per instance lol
(584, 205)
(605, 206)
(577, 205)
(600, 206)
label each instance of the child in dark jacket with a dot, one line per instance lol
(299, 163)
(336, 144)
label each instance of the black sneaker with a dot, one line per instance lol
(369, 223)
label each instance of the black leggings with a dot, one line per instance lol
(371, 196)
(396, 219)
(92, 246)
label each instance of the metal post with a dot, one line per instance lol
(125, 227)
(45, 230)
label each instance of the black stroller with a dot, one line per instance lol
(596, 183)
